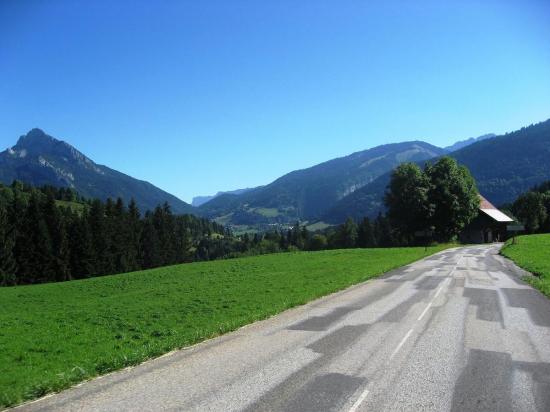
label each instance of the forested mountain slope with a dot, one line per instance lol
(39, 159)
(306, 194)
(503, 166)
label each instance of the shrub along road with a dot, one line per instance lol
(457, 331)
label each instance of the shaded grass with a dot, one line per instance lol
(532, 253)
(55, 335)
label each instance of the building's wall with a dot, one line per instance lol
(483, 229)
(472, 236)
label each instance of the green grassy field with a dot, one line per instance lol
(55, 335)
(318, 226)
(75, 206)
(265, 211)
(532, 253)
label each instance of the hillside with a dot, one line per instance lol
(509, 165)
(39, 159)
(306, 194)
(503, 166)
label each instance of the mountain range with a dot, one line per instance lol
(40, 159)
(503, 166)
(306, 194)
(354, 185)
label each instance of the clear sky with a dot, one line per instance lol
(201, 96)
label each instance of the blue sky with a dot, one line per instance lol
(202, 96)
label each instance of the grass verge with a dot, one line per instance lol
(55, 335)
(532, 253)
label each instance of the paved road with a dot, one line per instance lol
(457, 331)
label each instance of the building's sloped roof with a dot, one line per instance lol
(497, 215)
(487, 207)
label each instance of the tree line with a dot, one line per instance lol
(364, 234)
(50, 234)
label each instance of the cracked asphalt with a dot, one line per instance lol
(457, 331)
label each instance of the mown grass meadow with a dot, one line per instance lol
(55, 335)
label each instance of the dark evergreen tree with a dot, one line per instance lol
(150, 244)
(97, 225)
(318, 242)
(365, 234)
(296, 236)
(163, 221)
(35, 263)
(8, 264)
(346, 236)
(60, 258)
(383, 232)
(111, 258)
(134, 228)
(43, 241)
(81, 247)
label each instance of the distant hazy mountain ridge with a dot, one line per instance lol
(40, 159)
(201, 200)
(467, 142)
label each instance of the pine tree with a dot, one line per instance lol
(120, 237)
(81, 250)
(163, 221)
(134, 235)
(59, 261)
(317, 242)
(16, 212)
(365, 234)
(150, 244)
(8, 265)
(184, 241)
(296, 236)
(96, 224)
(110, 233)
(347, 234)
(383, 232)
(305, 237)
(35, 264)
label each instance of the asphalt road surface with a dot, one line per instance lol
(458, 331)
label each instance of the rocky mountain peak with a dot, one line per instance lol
(36, 137)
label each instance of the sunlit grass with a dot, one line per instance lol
(532, 253)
